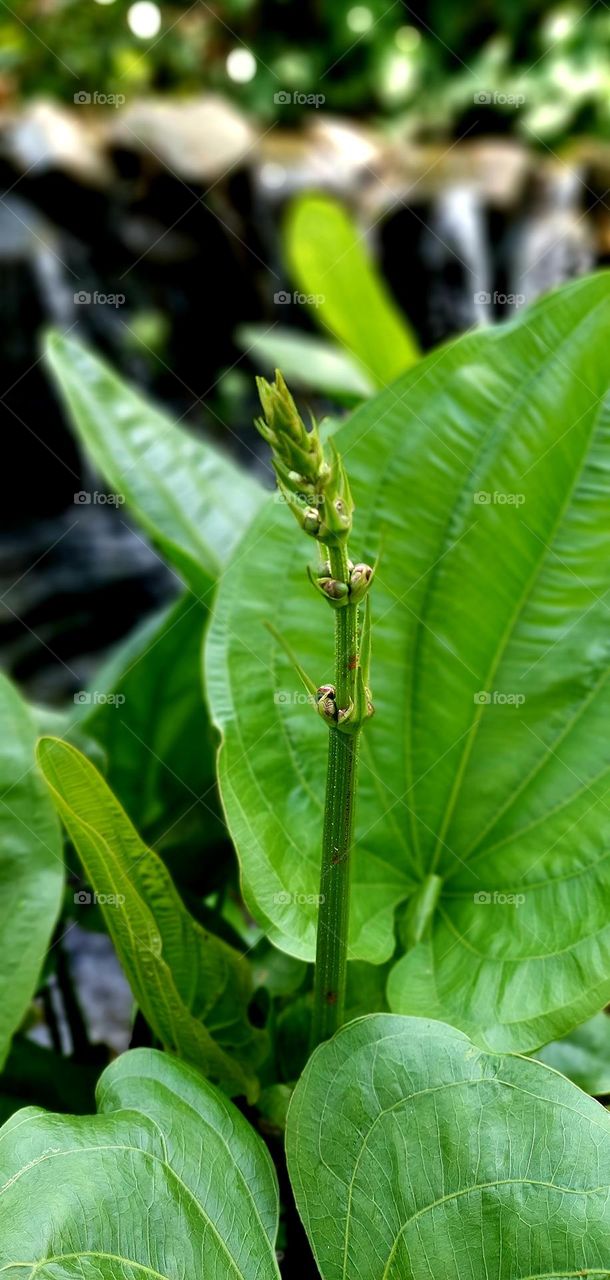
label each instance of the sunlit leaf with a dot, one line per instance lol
(192, 988)
(482, 477)
(329, 262)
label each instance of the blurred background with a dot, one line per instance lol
(201, 191)
(150, 155)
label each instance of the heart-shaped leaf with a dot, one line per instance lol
(483, 477)
(193, 988)
(189, 497)
(167, 1180)
(31, 865)
(414, 1155)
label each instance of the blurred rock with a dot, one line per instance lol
(199, 139)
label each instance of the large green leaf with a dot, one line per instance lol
(413, 1156)
(583, 1055)
(192, 988)
(189, 497)
(328, 261)
(504, 800)
(168, 1180)
(146, 709)
(31, 865)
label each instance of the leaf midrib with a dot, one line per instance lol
(597, 411)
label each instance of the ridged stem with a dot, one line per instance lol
(333, 913)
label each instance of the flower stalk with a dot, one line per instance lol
(316, 488)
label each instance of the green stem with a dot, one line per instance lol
(333, 914)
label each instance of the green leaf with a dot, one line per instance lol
(328, 261)
(167, 1180)
(583, 1056)
(413, 1155)
(305, 361)
(192, 988)
(189, 497)
(31, 865)
(503, 800)
(146, 710)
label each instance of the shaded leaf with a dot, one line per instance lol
(306, 361)
(31, 865)
(146, 709)
(583, 1055)
(167, 1180)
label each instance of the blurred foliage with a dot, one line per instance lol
(538, 68)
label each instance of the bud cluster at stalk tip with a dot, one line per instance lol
(315, 488)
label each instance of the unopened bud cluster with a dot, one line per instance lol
(316, 490)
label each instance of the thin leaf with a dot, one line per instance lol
(190, 498)
(192, 988)
(329, 262)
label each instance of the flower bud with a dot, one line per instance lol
(327, 703)
(360, 580)
(335, 591)
(296, 450)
